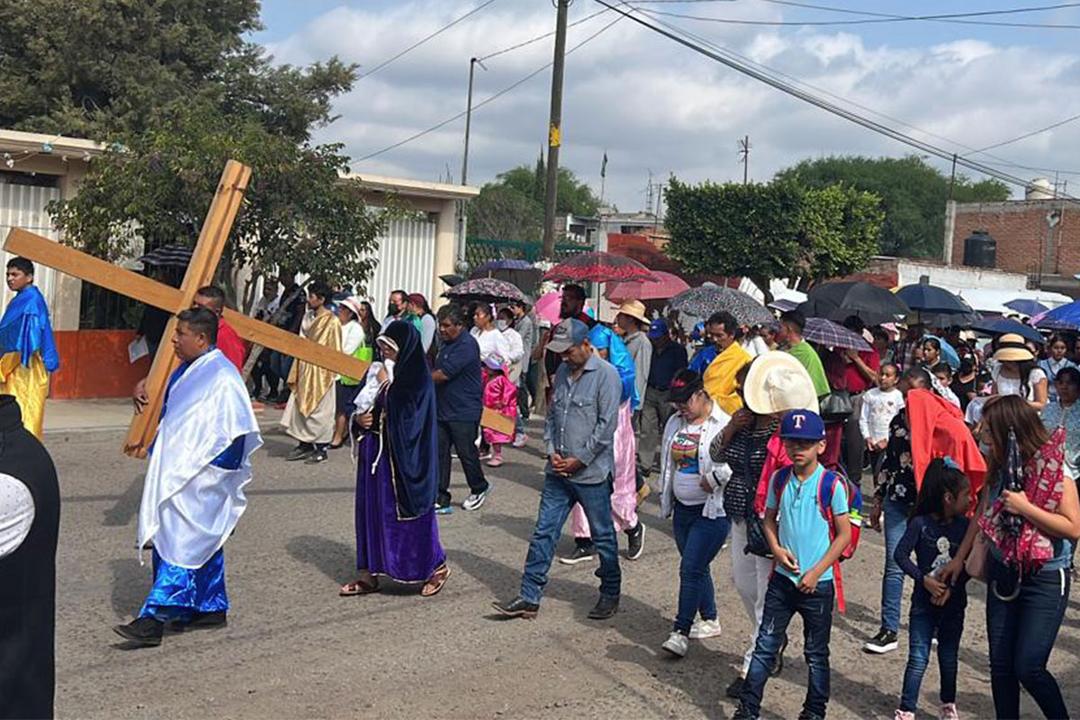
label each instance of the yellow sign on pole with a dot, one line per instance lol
(554, 136)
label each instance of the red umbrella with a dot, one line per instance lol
(599, 267)
(665, 287)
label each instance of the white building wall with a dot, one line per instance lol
(23, 206)
(406, 261)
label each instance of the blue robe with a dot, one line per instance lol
(25, 329)
(603, 338)
(178, 593)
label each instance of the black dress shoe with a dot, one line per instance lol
(734, 690)
(517, 608)
(300, 452)
(144, 631)
(202, 621)
(605, 608)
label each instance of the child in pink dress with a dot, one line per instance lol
(500, 395)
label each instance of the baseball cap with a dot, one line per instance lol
(567, 334)
(658, 329)
(802, 425)
(684, 385)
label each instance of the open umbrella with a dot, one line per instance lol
(1027, 307)
(1063, 317)
(932, 299)
(838, 301)
(452, 280)
(1001, 326)
(547, 307)
(486, 290)
(516, 272)
(701, 302)
(167, 256)
(598, 267)
(830, 334)
(665, 286)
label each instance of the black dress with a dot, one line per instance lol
(28, 577)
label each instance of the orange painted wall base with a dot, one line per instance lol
(94, 364)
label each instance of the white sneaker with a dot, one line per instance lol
(705, 629)
(903, 715)
(520, 439)
(677, 644)
(948, 712)
(474, 501)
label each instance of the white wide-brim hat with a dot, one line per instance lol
(778, 382)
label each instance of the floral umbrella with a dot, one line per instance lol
(486, 290)
(599, 267)
(701, 302)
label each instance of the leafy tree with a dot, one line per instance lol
(775, 230)
(512, 207)
(174, 90)
(91, 67)
(913, 195)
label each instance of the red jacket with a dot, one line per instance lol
(938, 429)
(230, 344)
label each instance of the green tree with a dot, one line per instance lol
(512, 207)
(768, 231)
(89, 68)
(174, 90)
(913, 195)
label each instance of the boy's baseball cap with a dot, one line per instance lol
(567, 334)
(802, 425)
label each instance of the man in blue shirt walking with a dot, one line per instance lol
(459, 403)
(579, 436)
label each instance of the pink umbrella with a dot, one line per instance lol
(547, 307)
(665, 287)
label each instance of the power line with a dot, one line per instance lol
(485, 101)
(969, 149)
(875, 18)
(423, 40)
(549, 34)
(1025, 136)
(789, 89)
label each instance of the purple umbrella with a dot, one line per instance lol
(825, 332)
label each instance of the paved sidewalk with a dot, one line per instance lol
(68, 416)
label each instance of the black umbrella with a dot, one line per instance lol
(932, 299)
(837, 301)
(167, 256)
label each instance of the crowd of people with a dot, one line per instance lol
(963, 454)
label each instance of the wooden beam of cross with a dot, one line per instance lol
(200, 272)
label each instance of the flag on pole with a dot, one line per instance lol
(603, 166)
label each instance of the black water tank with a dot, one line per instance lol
(980, 250)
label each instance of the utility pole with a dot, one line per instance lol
(551, 194)
(462, 219)
(952, 177)
(744, 155)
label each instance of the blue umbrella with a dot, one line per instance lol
(1064, 316)
(1030, 308)
(504, 264)
(948, 352)
(1001, 326)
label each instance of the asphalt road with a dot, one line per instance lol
(293, 648)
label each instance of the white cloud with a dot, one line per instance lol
(654, 105)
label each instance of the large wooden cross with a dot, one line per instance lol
(200, 272)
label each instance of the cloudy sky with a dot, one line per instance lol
(655, 106)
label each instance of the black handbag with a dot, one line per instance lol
(756, 544)
(836, 406)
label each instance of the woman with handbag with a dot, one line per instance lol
(750, 445)
(1028, 521)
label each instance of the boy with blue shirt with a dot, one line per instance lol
(805, 549)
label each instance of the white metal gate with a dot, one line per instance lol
(406, 260)
(23, 206)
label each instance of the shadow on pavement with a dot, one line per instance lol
(130, 584)
(335, 560)
(126, 506)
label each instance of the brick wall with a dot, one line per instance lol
(1020, 229)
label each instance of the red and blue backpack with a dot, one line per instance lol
(826, 490)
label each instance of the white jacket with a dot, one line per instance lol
(717, 474)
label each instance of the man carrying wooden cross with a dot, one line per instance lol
(193, 494)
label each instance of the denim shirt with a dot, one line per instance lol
(582, 417)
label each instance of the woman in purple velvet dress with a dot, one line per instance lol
(397, 536)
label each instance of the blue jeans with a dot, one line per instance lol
(699, 539)
(924, 621)
(1021, 633)
(280, 365)
(894, 522)
(782, 600)
(556, 500)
